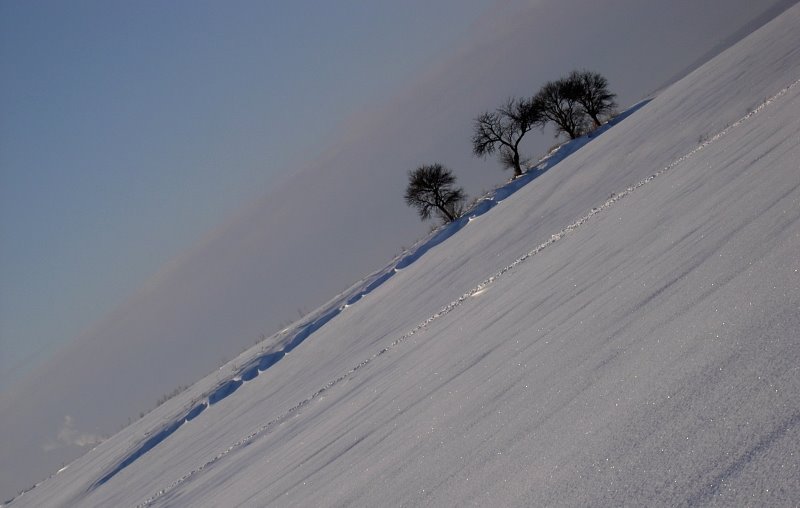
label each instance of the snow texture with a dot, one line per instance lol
(617, 327)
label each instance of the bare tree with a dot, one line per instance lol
(592, 94)
(502, 131)
(558, 103)
(431, 189)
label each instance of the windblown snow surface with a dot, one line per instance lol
(619, 327)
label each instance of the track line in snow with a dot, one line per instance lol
(260, 363)
(482, 286)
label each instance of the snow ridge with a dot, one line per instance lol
(472, 292)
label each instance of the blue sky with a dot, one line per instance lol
(177, 178)
(129, 129)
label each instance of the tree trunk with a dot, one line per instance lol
(442, 208)
(450, 217)
(517, 167)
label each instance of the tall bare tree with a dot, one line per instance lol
(431, 189)
(592, 94)
(503, 129)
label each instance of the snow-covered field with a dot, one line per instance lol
(622, 330)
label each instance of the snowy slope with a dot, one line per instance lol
(625, 329)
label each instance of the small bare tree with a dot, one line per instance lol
(558, 102)
(592, 94)
(503, 129)
(431, 189)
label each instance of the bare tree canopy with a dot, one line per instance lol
(503, 129)
(558, 103)
(592, 94)
(431, 189)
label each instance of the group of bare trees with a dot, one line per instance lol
(575, 102)
(573, 105)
